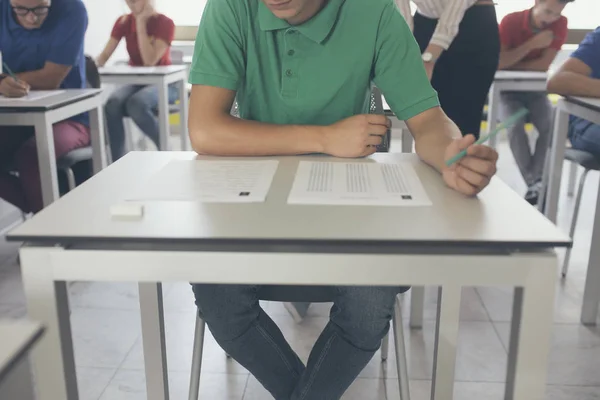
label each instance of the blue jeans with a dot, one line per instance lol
(359, 320)
(584, 135)
(140, 104)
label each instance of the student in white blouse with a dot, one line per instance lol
(460, 44)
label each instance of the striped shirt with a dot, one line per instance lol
(449, 13)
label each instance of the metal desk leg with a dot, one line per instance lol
(493, 104)
(153, 335)
(417, 305)
(163, 116)
(407, 141)
(97, 137)
(44, 139)
(557, 156)
(446, 342)
(183, 116)
(47, 301)
(591, 293)
(531, 331)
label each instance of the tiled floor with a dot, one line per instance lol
(109, 357)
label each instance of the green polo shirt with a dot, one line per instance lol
(315, 73)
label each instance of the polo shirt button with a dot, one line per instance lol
(289, 72)
(291, 52)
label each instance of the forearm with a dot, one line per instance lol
(102, 59)
(532, 65)
(433, 137)
(573, 84)
(147, 50)
(230, 136)
(39, 80)
(509, 58)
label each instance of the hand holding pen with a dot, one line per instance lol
(12, 86)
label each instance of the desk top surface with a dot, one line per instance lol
(120, 70)
(16, 338)
(589, 102)
(521, 75)
(497, 217)
(68, 96)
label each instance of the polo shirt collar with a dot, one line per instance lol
(317, 28)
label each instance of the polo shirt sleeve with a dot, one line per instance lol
(560, 31)
(219, 56)
(398, 67)
(163, 28)
(119, 29)
(67, 47)
(589, 51)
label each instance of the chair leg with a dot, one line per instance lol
(417, 305)
(565, 267)
(401, 362)
(197, 359)
(70, 178)
(128, 125)
(385, 347)
(572, 179)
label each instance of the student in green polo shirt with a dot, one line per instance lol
(301, 71)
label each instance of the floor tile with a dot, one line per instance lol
(572, 393)
(131, 385)
(472, 308)
(92, 381)
(11, 287)
(421, 390)
(13, 311)
(104, 295)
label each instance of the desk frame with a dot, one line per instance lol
(162, 82)
(552, 178)
(46, 271)
(42, 122)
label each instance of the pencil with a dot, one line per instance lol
(12, 75)
(506, 124)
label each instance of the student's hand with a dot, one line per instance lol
(356, 136)
(542, 40)
(473, 172)
(13, 88)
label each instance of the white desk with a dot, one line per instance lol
(42, 114)
(496, 239)
(161, 77)
(588, 109)
(16, 340)
(514, 81)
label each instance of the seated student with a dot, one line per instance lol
(41, 41)
(148, 35)
(530, 41)
(580, 76)
(302, 74)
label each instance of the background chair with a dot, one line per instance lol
(314, 294)
(590, 163)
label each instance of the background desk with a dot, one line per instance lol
(42, 114)
(514, 81)
(16, 340)
(588, 109)
(161, 77)
(496, 239)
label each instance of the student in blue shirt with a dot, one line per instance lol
(580, 76)
(41, 41)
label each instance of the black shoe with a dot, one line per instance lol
(533, 193)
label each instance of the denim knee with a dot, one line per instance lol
(363, 314)
(138, 108)
(114, 107)
(228, 310)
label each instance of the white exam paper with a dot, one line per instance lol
(31, 96)
(219, 181)
(357, 183)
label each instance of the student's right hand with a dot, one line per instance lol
(542, 40)
(356, 136)
(13, 88)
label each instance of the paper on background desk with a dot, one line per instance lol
(357, 183)
(32, 96)
(218, 181)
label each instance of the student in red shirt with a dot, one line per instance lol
(148, 36)
(530, 40)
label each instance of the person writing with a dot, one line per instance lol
(580, 76)
(301, 72)
(530, 41)
(42, 43)
(148, 36)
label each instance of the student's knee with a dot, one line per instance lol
(114, 107)
(363, 314)
(229, 310)
(137, 107)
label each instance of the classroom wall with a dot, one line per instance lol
(102, 16)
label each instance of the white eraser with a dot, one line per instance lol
(131, 211)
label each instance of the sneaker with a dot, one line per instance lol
(533, 193)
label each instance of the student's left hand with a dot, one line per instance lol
(473, 172)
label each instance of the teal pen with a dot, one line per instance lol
(9, 72)
(506, 124)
